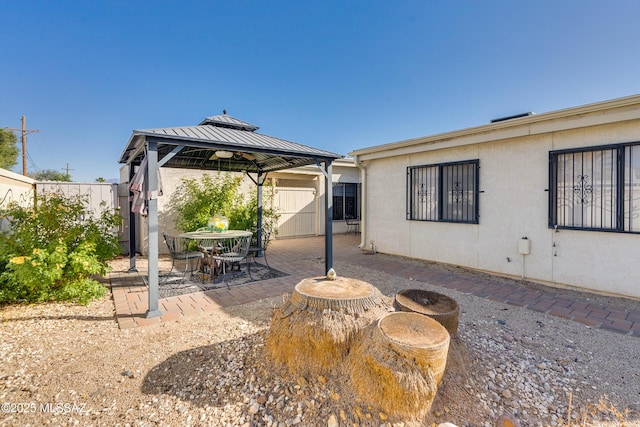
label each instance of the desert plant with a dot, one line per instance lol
(50, 250)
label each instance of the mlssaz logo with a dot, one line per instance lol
(62, 408)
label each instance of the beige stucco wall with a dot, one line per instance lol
(513, 204)
(15, 188)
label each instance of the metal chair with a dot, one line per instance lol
(179, 251)
(230, 253)
(259, 248)
(353, 224)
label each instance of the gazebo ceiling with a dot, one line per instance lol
(195, 147)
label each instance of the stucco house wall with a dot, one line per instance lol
(15, 188)
(513, 201)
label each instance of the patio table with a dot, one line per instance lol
(215, 235)
(225, 241)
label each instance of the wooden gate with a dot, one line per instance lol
(297, 209)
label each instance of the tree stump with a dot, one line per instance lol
(433, 304)
(399, 364)
(312, 332)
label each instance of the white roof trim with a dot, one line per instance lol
(16, 176)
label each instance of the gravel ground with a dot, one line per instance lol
(62, 364)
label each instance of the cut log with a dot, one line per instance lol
(311, 333)
(398, 365)
(438, 306)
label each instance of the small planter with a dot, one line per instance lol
(218, 223)
(433, 304)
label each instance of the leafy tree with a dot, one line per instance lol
(51, 250)
(100, 179)
(195, 201)
(8, 149)
(50, 175)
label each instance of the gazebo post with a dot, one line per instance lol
(152, 222)
(132, 228)
(260, 181)
(328, 203)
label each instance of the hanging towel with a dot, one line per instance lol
(138, 186)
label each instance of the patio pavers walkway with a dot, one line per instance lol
(304, 257)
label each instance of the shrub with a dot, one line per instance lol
(195, 201)
(50, 251)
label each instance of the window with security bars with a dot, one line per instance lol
(596, 188)
(346, 202)
(443, 192)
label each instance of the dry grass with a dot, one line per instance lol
(602, 414)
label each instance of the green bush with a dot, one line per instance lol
(195, 201)
(50, 251)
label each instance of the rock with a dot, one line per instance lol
(507, 394)
(507, 337)
(447, 425)
(254, 408)
(332, 421)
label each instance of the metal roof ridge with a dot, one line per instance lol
(224, 120)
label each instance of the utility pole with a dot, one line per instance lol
(25, 131)
(67, 168)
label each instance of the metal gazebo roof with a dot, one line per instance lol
(221, 143)
(195, 147)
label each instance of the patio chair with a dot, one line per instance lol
(353, 224)
(230, 253)
(260, 248)
(179, 251)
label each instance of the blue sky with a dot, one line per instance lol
(337, 75)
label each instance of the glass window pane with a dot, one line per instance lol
(424, 193)
(586, 189)
(338, 201)
(459, 189)
(632, 188)
(350, 200)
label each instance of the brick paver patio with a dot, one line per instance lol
(304, 257)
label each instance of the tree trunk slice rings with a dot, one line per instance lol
(418, 338)
(433, 304)
(343, 294)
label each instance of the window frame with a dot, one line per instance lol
(440, 184)
(344, 199)
(621, 185)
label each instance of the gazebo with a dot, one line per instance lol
(220, 143)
